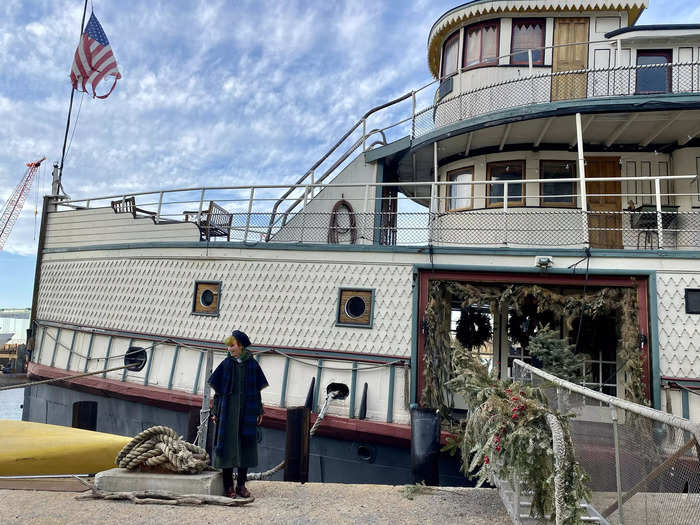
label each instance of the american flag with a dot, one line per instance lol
(94, 59)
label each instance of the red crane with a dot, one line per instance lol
(13, 206)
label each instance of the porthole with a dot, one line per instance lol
(207, 298)
(355, 307)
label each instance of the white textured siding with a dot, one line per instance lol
(291, 304)
(69, 229)
(679, 333)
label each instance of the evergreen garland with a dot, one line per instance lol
(506, 434)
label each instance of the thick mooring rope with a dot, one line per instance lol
(161, 447)
(559, 448)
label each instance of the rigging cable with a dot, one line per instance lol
(75, 124)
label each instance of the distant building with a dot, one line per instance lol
(14, 322)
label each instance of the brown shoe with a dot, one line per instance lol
(230, 493)
(243, 492)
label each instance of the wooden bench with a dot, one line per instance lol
(128, 205)
(215, 221)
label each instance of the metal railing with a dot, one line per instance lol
(644, 464)
(379, 214)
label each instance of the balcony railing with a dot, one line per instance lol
(664, 218)
(557, 86)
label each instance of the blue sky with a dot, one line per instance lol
(213, 93)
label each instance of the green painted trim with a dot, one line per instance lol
(353, 386)
(414, 338)
(131, 342)
(70, 351)
(199, 371)
(317, 385)
(109, 350)
(653, 341)
(685, 404)
(392, 148)
(377, 233)
(390, 403)
(285, 375)
(55, 346)
(172, 367)
(148, 365)
(456, 250)
(528, 269)
(89, 353)
(37, 359)
(684, 382)
(636, 103)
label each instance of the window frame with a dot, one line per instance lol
(574, 192)
(455, 36)
(455, 172)
(526, 62)
(481, 25)
(668, 53)
(514, 204)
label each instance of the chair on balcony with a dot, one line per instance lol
(128, 205)
(215, 221)
(644, 219)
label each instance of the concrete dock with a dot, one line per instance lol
(275, 502)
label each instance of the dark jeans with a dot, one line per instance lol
(228, 477)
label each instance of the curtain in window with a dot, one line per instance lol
(527, 34)
(450, 52)
(473, 47)
(460, 195)
(489, 40)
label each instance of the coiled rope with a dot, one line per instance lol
(160, 446)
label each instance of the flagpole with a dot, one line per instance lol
(56, 186)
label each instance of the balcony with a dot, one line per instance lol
(583, 85)
(664, 216)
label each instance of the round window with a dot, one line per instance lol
(207, 298)
(355, 307)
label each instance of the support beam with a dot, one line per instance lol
(660, 130)
(469, 144)
(504, 138)
(584, 127)
(543, 132)
(620, 129)
(687, 138)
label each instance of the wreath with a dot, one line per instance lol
(473, 328)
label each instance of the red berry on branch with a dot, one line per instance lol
(498, 448)
(486, 460)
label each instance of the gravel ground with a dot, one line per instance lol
(276, 502)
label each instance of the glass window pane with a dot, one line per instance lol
(558, 192)
(528, 34)
(473, 47)
(461, 194)
(503, 172)
(489, 37)
(449, 55)
(653, 79)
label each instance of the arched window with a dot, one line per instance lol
(450, 53)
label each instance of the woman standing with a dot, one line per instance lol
(237, 411)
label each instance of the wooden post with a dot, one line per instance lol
(296, 453)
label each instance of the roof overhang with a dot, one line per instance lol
(617, 125)
(460, 15)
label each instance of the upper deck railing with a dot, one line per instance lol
(658, 214)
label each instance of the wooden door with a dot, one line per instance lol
(604, 229)
(568, 58)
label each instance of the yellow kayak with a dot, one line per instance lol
(28, 449)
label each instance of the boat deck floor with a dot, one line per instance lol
(275, 502)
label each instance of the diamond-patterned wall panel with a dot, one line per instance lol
(289, 304)
(679, 333)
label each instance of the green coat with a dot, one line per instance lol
(238, 450)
